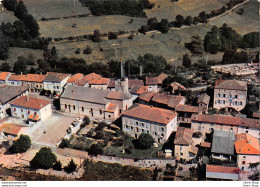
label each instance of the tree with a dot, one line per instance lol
(5, 67)
(21, 145)
(241, 11)
(163, 26)
(186, 61)
(95, 149)
(212, 42)
(196, 45)
(145, 141)
(96, 37)
(188, 20)
(112, 35)
(57, 166)
(71, 167)
(86, 121)
(88, 50)
(10, 4)
(43, 66)
(64, 143)
(152, 23)
(21, 11)
(44, 159)
(179, 21)
(144, 29)
(20, 65)
(233, 57)
(54, 55)
(250, 40)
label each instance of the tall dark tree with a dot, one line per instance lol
(54, 55)
(212, 42)
(44, 159)
(20, 65)
(96, 37)
(163, 26)
(186, 61)
(250, 40)
(57, 166)
(179, 21)
(71, 167)
(145, 141)
(5, 67)
(21, 145)
(21, 11)
(188, 20)
(196, 45)
(10, 4)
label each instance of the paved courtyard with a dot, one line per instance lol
(51, 131)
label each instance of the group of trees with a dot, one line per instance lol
(118, 7)
(225, 38)
(45, 159)
(21, 145)
(235, 57)
(27, 26)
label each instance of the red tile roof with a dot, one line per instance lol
(150, 113)
(16, 77)
(226, 120)
(187, 108)
(111, 107)
(247, 144)
(33, 78)
(135, 82)
(101, 81)
(3, 75)
(177, 86)
(183, 136)
(169, 100)
(87, 78)
(161, 77)
(205, 144)
(75, 77)
(151, 81)
(10, 128)
(231, 85)
(222, 169)
(139, 89)
(111, 84)
(30, 102)
(147, 96)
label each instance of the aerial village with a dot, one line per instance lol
(81, 117)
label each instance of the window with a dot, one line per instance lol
(14, 109)
(235, 102)
(224, 95)
(109, 116)
(137, 123)
(142, 130)
(162, 135)
(155, 133)
(246, 131)
(230, 96)
(82, 108)
(21, 110)
(243, 162)
(126, 121)
(146, 125)
(29, 111)
(131, 122)
(142, 124)
(236, 96)
(244, 157)
(199, 127)
(65, 106)
(162, 129)
(218, 95)
(57, 87)
(35, 113)
(74, 108)
(100, 111)
(241, 97)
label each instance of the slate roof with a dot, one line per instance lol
(231, 85)
(30, 102)
(223, 142)
(93, 95)
(183, 136)
(204, 98)
(247, 144)
(187, 108)
(55, 77)
(150, 113)
(8, 93)
(226, 120)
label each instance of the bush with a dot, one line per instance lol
(77, 51)
(96, 37)
(86, 121)
(57, 166)
(21, 145)
(145, 141)
(95, 149)
(88, 50)
(64, 143)
(112, 35)
(71, 167)
(186, 61)
(44, 159)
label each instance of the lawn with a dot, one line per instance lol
(7, 16)
(87, 25)
(55, 8)
(136, 153)
(165, 9)
(101, 171)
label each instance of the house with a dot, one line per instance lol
(95, 103)
(160, 123)
(152, 84)
(183, 148)
(230, 94)
(207, 123)
(8, 94)
(203, 102)
(247, 150)
(185, 112)
(33, 81)
(138, 90)
(162, 100)
(4, 77)
(9, 131)
(15, 80)
(99, 83)
(177, 87)
(55, 82)
(117, 85)
(223, 145)
(75, 78)
(31, 108)
(160, 78)
(84, 81)
(223, 173)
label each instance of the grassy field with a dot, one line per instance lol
(7, 16)
(15, 52)
(55, 8)
(169, 10)
(87, 25)
(243, 24)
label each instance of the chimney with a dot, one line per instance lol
(141, 71)
(21, 73)
(27, 98)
